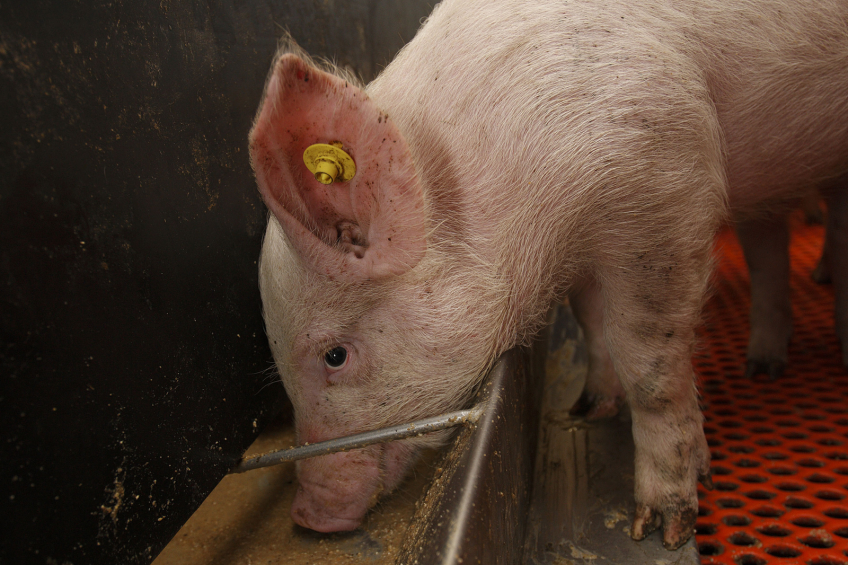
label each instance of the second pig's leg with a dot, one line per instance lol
(766, 245)
(821, 274)
(837, 251)
(602, 396)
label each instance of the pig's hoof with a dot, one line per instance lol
(596, 406)
(678, 521)
(814, 217)
(774, 369)
(645, 522)
(821, 274)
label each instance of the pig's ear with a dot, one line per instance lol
(370, 227)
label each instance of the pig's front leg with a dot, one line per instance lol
(836, 241)
(603, 395)
(765, 242)
(649, 324)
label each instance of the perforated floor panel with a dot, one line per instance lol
(779, 448)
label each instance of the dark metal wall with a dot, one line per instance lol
(133, 357)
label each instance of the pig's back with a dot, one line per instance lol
(778, 73)
(563, 115)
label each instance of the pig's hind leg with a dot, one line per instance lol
(836, 241)
(765, 242)
(603, 395)
(821, 274)
(651, 310)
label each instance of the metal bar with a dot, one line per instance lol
(356, 441)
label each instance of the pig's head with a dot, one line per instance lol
(370, 322)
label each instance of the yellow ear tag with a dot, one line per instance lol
(329, 163)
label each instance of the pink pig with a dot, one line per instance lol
(512, 154)
(765, 241)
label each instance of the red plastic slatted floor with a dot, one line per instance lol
(779, 449)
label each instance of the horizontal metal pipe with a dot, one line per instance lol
(356, 441)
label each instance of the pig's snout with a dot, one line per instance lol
(337, 490)
(316, 508)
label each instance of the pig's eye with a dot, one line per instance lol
(335, 358)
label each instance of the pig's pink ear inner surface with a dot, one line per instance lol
(370, 227)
